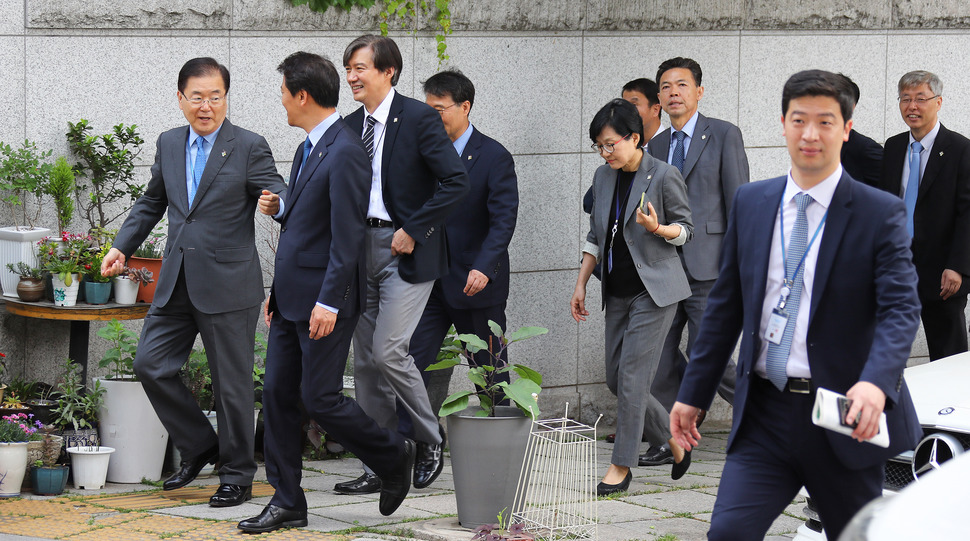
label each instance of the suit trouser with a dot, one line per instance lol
(635, 327)
(945, 325)
(293, 361)
(776, 451)
(437, 318)
(229, 339)
(383, 368)
(673, 362)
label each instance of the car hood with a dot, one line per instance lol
(940, 393)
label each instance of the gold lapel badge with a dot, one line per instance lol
(395, 119)
(703, 137)
(223, 153)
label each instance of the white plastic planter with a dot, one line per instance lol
(90, 466)
(126, 291)
(65, 295)
(128, 423)
(17, 245)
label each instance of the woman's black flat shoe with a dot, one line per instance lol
(604, 489)
(680, 468)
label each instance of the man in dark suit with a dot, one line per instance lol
(476, 286)
(929, 167)
(209, 176)
(861, 156)
(710, 155)
(817, 278)
(315, 301)
(417, 182)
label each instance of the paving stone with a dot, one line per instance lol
(366, 514)
(680, 501)
(616, 511)
(682, 528)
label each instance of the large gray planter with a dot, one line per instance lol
(486, 459)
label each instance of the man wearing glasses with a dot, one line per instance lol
(208, 176)
(929, 167)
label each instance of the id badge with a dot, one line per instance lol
(776, 326)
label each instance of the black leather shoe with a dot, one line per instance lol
(273, 518)
(680, 468)
(365, 484)
(428, 464)
(190, 468)
(656, 456)
(395, 487)
(604, 489)
(231, 495)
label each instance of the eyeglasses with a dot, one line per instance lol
(919, 101)
(608, 147)
(441, 110)
(197, 101)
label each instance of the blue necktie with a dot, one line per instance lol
(678, 158)
(198, 169)
(307, 148)
(776, 361)
(912, 185)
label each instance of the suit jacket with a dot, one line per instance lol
(423, 182)
(941, 221)
(656, 259)
(322, 234)
(480, 231)
(862, 158)
(714, 168)
(215, 240)
(864, 309)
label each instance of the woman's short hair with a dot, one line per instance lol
(620, 115)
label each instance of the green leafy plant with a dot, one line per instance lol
(154, 246)
(25, 271)
(24, 174)
(77, 407)
(61, 189)
(107, 165)
(523, 392)
(66, 258)
(259, 368)
(120, 357)
(93, 269)
(196, 377)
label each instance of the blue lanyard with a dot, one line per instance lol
(786, 290)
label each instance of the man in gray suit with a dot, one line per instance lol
(710, 155)
(209, 176)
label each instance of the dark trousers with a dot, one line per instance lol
(437, 318)
(945, 325)
(776, 451)
(166, 340)
(296, 367)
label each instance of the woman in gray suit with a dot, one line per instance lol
(640, 215)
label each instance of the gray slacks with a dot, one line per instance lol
(635, 331)
(229, 338)
(383, 367)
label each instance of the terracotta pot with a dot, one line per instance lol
(30, 289)
(146, 293)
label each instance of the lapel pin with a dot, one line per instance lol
(320, 155)
(469, 157)
(941, 153)
(223, 153)
(649, 177)
(703, 137)
(395, 119)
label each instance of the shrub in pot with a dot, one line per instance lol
(15, 431)
(47, 477)
(24, 172)
(30, 288)
(76, 414)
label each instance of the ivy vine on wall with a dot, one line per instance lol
(403, 10)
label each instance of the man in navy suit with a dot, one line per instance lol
(417, 181)
(817, 277)
(314, 303)
(477, 284)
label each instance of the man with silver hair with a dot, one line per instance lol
(929, 167)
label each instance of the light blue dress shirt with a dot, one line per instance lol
(191, 150)
(462, 140)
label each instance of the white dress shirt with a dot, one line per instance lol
(821, 194)
(376, 208)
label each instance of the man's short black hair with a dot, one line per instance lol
(856, 93)
(620, 115)
(313, 73)
(453, 84)
(200, 67)
(386, 54)
(819, 83)
(681, 62)
(646, 87)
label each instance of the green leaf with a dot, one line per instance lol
(454, 403)
(477, 376)
(527, 373)
(473, 343)
(526, 332)
(447, 363)
(521, 392)
(495, 328)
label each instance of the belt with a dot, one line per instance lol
(377, 222)
(794, 385)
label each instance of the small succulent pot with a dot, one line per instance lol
(30, 289)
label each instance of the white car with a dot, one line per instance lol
(941, 395)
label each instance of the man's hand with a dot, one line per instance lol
(113, 262)
(267, 315)
(950, 283)
(269, 203)
(868, 401)
(321, 322)
(476, 282)
(577, 304)
(683, 425)
(402, 243)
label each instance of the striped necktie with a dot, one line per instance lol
(368, 137)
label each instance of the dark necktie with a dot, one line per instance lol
(678, 158)
(368, 137)
(307, 148)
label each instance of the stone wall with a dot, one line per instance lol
(541, 69)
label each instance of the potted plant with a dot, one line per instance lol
(47, 477)
(126, 284)
(15, 431)
(42, 403)
(23, 174)
(76, 414)
(30, 288)
(106, 187)
(149, 256)
(65, 263)
(97, 287)
(61, 188)
(488, 441)
(129, 423)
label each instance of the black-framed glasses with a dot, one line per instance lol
(608, 147)
(919, 101)
(197, 101)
